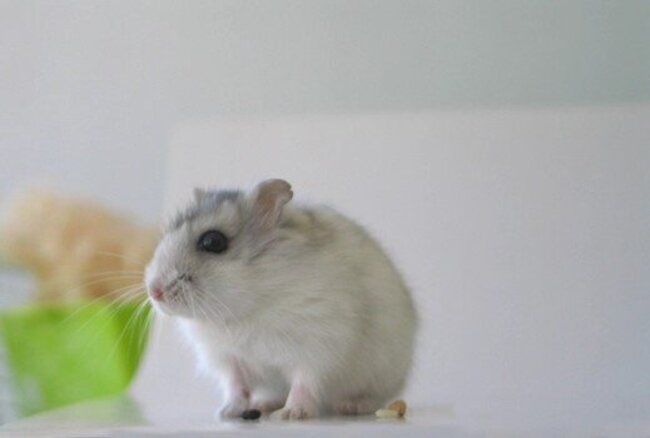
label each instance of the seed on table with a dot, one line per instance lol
(387, 413)
(399, 406)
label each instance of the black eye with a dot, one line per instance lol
(212, 241)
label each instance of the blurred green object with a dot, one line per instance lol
(57, 355)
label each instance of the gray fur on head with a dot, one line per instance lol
(204, 201)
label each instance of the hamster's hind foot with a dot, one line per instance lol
(295, 413)
(301, 404)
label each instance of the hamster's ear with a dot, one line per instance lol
(268, 198)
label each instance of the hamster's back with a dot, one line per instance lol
(382, 348)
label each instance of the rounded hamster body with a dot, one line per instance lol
(303, 313)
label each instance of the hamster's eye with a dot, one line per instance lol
(212, 241)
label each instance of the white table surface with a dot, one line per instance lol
(123, 416)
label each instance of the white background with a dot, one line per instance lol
(90, 91)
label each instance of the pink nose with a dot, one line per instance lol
(157, 293)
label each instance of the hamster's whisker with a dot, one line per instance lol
(126, 326)
(147, 326)
(141, 312)
(109, 310)
(138, 263)
(115, 272)
(132, 318)
(211, 298)
(201, 308)
(68, 292)
(112, 307)
(216, 314)
(122, 291)
(192, 306)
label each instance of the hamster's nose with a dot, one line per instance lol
(157, 293)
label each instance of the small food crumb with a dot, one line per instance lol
(251, 414)
(399, 406)
(387, 413)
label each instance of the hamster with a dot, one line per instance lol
(294, 309)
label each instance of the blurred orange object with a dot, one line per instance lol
(75, 248)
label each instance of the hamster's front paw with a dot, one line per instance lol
(233, 408)
(295, 412)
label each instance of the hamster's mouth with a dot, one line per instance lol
(176, 303)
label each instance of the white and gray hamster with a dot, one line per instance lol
(295, 309)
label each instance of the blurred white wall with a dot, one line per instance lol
(90, 90)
